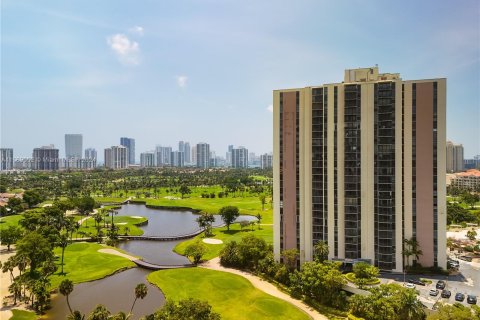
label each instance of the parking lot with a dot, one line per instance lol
(467, 281)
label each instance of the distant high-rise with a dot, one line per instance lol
(203, 155)
(194, 155)
(266, 160)
(228, 155)
(163, 155)
(177, 159)
(361, 165)
(454, 157)
(90, 160)
(73, 146)
(147, 159)
(45, 158)
(129, 143)
(186, 151)
(116, 157)
(240, 157)
(6, 159)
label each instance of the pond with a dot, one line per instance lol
(116, 292)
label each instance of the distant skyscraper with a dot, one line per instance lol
(229, 155)
(454, 157)
(194, 155)
(116, 157)
(181, 146)
(203, 155)
(147, 159)
(73, 146)
(45, 158)
(266, 161)
(90, 160)
(186, 151)
(177, 159)
(163, 155)
(129, 143)
(6, 159)
(361, 165)
(240, 157)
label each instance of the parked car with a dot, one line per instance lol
(433, 292)
(409, 285)
(459, 297)
(446, 294)
(472, 299)
(441, 284)
(465, 258)
(414, 281)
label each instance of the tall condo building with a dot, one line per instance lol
(163, 155)
(454, 157)
(73, 146)
(129, 143)
(240, 157)
(194, 155)
(203, 155)
(186, 151)
(6, 159)
(90, 160)
(266, 160)
(147, 159)
(45, 158)
(361, 165)
(116, 157)
(177, 159)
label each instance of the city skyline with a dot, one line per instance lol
(148, 69)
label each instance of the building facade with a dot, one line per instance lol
(469, 180)
(6, 159)
(203, 155)
(240, 157)
(163, 156)
(116, 157)
(73, 151)
(454, 157)
(147, 159)
(177, 159)
(90, 159)
(129, 143)
(45, 158)
(361, 165)
(266, 161)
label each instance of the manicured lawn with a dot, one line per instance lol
(88, 226)
(8, 221)
(230, 295)
(235, 233)
(23, 315)
(84, 263)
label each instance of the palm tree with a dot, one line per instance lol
(66, 287)
(412, 248)
(263, 200)
(321, 250)
(259, 219)
(140, 292)
(63, 243)
(76, 315)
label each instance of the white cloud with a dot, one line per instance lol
(137, 30)
(270, 107)
(182, 81)
(127, 50)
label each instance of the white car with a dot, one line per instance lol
(409, 285)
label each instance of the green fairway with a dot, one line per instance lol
(84, 263)
(8, 221)
(235, 233)
(230, 295)
(23, 315)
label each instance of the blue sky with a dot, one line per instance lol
(163, 71)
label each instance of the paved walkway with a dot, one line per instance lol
(118, 253)
(266, 287)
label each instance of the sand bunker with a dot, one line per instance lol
(212, 241)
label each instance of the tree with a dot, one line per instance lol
(85, 205)
(263, 200)
(411, 248)
(321, 250)
(458, 214)
(186, 309)
(63, 243)
(470, 199)
(259, 219)
(184, 189)
(99, 313)
(205, 222)
(472, 234)
(290, 257)
(15, 205)
(456, 311)
(10, 236)
(141, 291)
(32, 197)
(196, 251)
(229, 214)
(65, 288)
(36, 248)
(363, 270)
